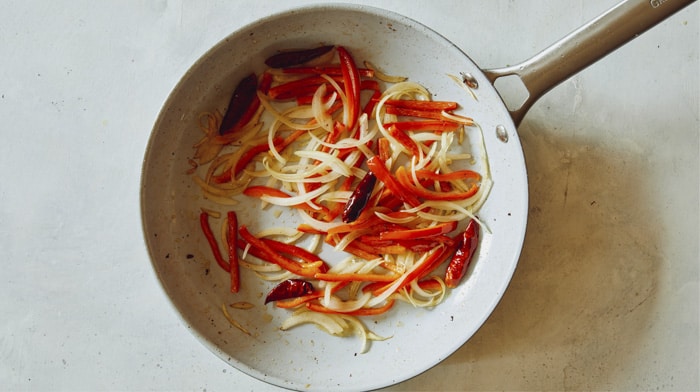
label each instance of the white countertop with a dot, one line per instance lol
(605, 296)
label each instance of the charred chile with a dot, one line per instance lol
(468, 241)
(243, 96)
(359, 197)
(290, 288)
(296, 57)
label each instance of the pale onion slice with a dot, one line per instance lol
(302, 176)
(341, 94)
(316, 224)
(384, 77)
(458, 118)
(232, 321)
(364, 333)
(267, 267)
(462, 84)
(335, 303)
(387, 218)
(289, 234)
(283, 117)
(327, 161)
(275, 277)
(335, 196)
(399, 281)
(327, 322)
(294, 200)
(320, 109)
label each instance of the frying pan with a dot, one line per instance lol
(306, 358)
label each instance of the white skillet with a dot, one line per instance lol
(305, 358)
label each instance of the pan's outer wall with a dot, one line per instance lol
(305, 358)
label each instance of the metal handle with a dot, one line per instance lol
(585, 46)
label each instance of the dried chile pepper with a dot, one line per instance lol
(243, 104)
(290, 288)
(359, 197)
(467, 243)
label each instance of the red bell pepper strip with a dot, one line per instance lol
(407, 112)
(425, 125)
(243, 104)
(296, 251)
(233, 251)
(426, 232)
(248, 156)
(403, 178)
(270, 255)
(297, 87)
(308, 229)
(422, 105)
(317, 307)
(262, 190)
(296, 57)
(418, 245)
(452, 176)
(468, 241)
(290, 288)
(404, 140)
(384, 148)
(209, 235)
(327, 70)
(351, 80)
(377, 166)
(332, 277)
(435, 258)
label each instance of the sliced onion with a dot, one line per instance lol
(327, 322)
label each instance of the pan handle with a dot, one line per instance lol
(585, 46)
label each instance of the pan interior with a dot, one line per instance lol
(304, 357)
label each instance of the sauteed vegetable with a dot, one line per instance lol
(372, 166)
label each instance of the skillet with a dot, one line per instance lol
(306, 358)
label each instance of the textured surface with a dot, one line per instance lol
(606, 292)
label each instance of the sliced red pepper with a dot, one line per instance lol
(296, 251)
(435, 258)
(306, 228)
(425, 125)
(377, 166)
(404, 140)
(233, 251)
(295, 88)
(384, 148)
(452, 176)
(406, 182)
(213, 244)
(407, 112)
(327, 70)
(296, 57)
(351, 80)
(270, 255)
(418, 245)
(468, 241)
(290, 288)
(262, 190)
(422, 105)
(265, 82)
(317, 307)
(242, 106)
(426, 232)
(248, 156)
(332, 277)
